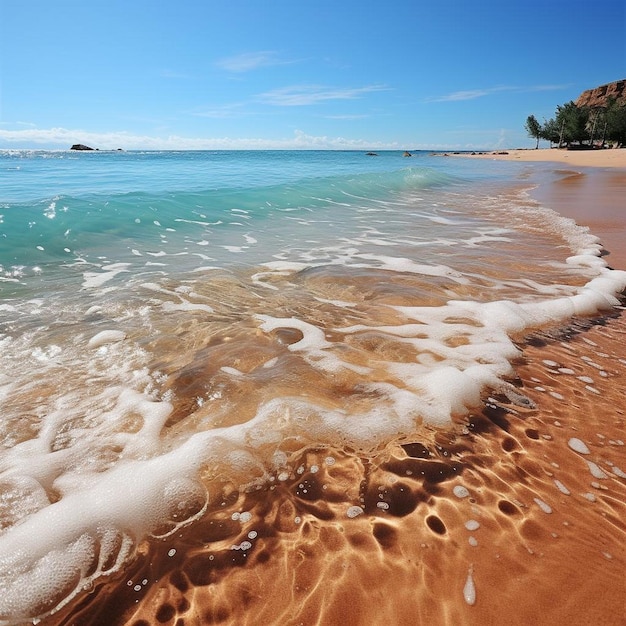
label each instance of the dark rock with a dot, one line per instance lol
(370, 154)
(80, 146)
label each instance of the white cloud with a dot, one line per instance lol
(301, 95)
(249, 61)
(62, 138)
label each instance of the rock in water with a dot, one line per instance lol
(80, 146)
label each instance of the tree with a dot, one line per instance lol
(550, 131)
(579, 124)
(615, 122)
(533, 128)
(572, 122)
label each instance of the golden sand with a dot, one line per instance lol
(577, 158)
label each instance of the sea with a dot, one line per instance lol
(181, 330)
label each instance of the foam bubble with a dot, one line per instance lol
(313, 337)
(578, 446)
(618, 472)
(469, 589)
(562, 488)
(460, 491)
(545, 507)
(595, 470)
(354, 511)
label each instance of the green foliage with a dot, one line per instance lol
(533, 128)
(615, 120)
(550, 131)
(574, 124)
(572, 121)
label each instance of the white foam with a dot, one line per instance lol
(93, 280)
(544, 506)
(399, 264)
(562, 488)
(313, 337)
(354, 511)
(460, 491)
(618, 472)
(106, 336)
(578, 446)
(469, 589)
(48, 553)
(595, 470)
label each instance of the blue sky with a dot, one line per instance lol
(202, 74)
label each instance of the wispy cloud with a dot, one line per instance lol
(227, 111)
(469, 94)
(249, 61)
(472, 94)
(549, 87)
(166, 73)
(354, 116)
(302, 95)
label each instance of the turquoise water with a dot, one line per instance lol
(171, 322)
(63, 209)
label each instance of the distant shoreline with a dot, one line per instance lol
(578, 158)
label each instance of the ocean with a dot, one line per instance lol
(199, 349)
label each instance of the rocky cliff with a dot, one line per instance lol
(599, 96)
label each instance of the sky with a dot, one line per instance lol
(288, 74)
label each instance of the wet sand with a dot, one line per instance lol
(593, 198)
(515, 516)
(590, 189)
(507, 502)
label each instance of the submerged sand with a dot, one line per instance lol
(516, 516)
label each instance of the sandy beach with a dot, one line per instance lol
(590, 190)
(515, 516)
(577, 158)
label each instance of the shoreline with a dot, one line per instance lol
(609, 158)
(590, 191)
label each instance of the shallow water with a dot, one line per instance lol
(184, 331)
